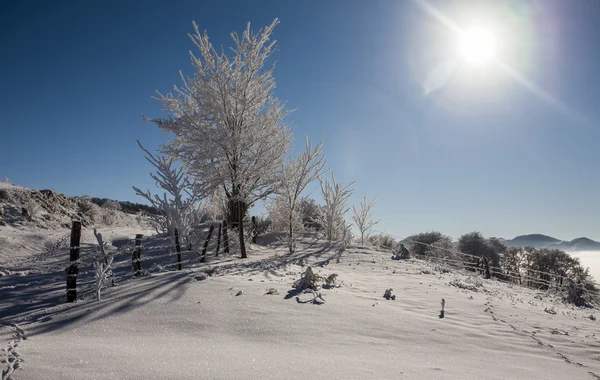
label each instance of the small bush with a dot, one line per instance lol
(382, 241)
(5, 195)
(88, 209)
(33, 208)
(111, 205)
(309, 280)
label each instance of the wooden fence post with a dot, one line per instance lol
(178, 249)
(486, 268)
(136, 258)
(210, 231)
(218, 241)
(73, 269)
(225, 238)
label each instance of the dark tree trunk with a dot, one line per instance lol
(241, 235)
(237, 211)
(225, 238)
(254, 230)
(178, 249)
(73, 269)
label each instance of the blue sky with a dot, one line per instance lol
(441, 144)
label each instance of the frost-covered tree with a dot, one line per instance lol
(331, 215)
(296, 174)
(178, 203)
(364, 219)
(309, 209)
(228, 125)
(214, 207)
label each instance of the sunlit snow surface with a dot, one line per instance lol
(177, 325)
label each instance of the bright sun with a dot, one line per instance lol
(477, 45)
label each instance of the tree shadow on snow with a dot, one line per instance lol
(119, 300)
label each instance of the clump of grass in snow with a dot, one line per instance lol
(388, 294)
(470, 283)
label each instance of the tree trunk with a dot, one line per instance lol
(178, 249)
(225, 238)
(236, 211)
(291, 244)
(254, 230)
(241, 234)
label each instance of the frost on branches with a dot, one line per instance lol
(364, 218)
(177, 204)
(228, 125)
(285, 209)
(331, 215)
(214, 207)
(103, 266)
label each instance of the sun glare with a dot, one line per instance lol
(476, 45)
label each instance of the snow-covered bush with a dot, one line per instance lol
(109, 216)
(88, 209)
(331, 215)
(32, 208)
(432, 243)
(296, 174)
(214, 207)
(111, 205)
(178, 203)
(308, 280)
(382, 241)
(363, 218)
(309, 209)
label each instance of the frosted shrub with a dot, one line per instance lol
(331, 215)
(363, 218)
(111, 205)
(296, 174)
(309, 280)
(88, 209)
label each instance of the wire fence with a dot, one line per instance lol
(158, 253)
(525, 277)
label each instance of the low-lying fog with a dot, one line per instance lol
(590, 259)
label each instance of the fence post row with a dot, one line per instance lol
(225, 238)
(178, 249)
(73, 269)
(210, 231)
(136, 258)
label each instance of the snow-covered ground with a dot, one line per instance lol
(185, 325)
